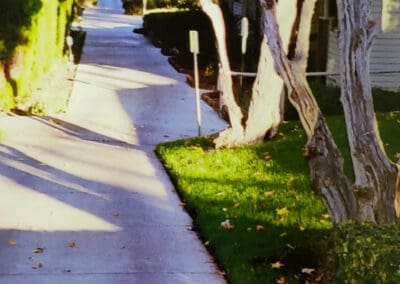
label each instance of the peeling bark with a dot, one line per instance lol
(375, 175)
(265, 111)
(325, 160)
(265, 106)
(234, 135)
(375, 194)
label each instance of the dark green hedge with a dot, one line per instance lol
(172, 28)
(32, 38)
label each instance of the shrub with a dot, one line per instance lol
(172, 29)
(368, 253)
(32, 38)
(132, 7)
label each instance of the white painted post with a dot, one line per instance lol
(70, 43)
(144, 3)
(244, 32)
(194, 48)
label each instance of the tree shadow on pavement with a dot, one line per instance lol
(81, 132)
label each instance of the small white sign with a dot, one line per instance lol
(194, 42)
(244, 32)
(244, 27)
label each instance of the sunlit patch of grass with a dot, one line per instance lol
(263, 190)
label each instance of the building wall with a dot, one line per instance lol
(385, 52)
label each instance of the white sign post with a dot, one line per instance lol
(194, 48)
(244, 32)
(70, 43)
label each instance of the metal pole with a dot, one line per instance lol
(194, 48)
(144, 7)
(244, 32)
(196, 85)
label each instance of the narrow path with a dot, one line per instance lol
(83, 198)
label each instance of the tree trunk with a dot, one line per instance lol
(232, 136)
(325, 160)
(375, 175)
(264, 111)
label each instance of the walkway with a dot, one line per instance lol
(83, 198)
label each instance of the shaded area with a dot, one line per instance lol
(110, 202)
(263, 191)
(16, 17)
(278, 227)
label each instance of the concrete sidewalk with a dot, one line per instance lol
(83, 198)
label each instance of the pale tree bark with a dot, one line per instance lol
(375, 175)
(373, 196)
(234, 134)
(265, 105)
(144, 7)
(325, 160)
(264, 111)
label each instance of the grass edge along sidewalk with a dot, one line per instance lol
(255, 212)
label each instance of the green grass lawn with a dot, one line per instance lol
(254, 209)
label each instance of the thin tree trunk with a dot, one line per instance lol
(264, 111)
(232, 136)
(325, 160)
(375, 175)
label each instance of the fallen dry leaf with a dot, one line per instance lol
(38, 250)
(290, 246)
(267, 157)
(227, 225)
(307, 270)
(326, 216)
(37, 266)
(277, 265)
(282, 212)
(260, 228)
(222, 273)
(11, 242)
(268, 193)
(72, 244)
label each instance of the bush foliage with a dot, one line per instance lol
(171, 29)
(368, 253)
(32, 38)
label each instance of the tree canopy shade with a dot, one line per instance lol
(372, 196)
